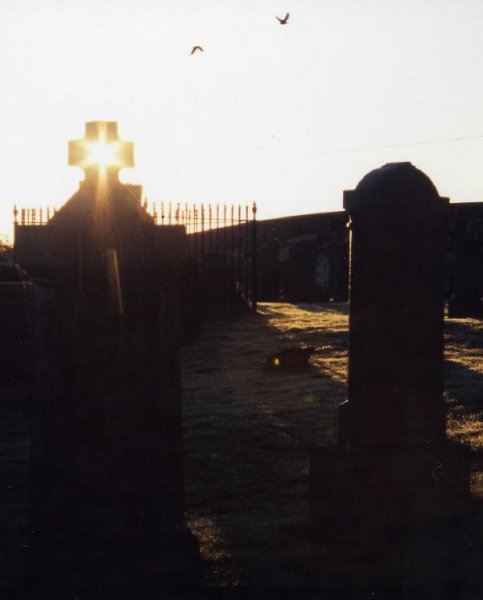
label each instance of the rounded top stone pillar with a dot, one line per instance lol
(402, 176)
(397, 221)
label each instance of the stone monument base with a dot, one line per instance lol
(390, 488)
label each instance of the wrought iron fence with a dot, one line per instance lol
(222, 239)
(32, 216)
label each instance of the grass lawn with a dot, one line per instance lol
(247, 431)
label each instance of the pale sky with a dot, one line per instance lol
(287, 115)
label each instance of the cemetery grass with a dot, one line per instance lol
(248, 430)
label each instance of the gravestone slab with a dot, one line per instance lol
(393, 467)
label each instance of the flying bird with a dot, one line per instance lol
(195, 48)
(284, 20)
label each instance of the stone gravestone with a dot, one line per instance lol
(107, 498)
(466, 301)
(393, 467)
(466, 274)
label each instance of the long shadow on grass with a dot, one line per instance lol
(339, 307)
(247, 435)
(464, 387)
(327, 346)
(458, 332)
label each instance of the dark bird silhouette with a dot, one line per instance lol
(291, 358)
(284, 20)
(195, 48)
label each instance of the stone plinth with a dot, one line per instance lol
(364, 489)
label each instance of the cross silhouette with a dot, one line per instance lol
(101, 150)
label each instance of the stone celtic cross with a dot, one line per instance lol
(101, 151)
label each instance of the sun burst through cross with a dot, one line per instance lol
(101, 153)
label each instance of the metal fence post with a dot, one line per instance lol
(246, 253)
(232, 246)
(202, 233)
(239, 257)
(254, 259)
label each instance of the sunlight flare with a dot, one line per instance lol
(101, 149)
(102, 154)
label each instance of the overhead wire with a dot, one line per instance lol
(382, 147)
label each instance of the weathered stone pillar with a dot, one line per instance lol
(107, 503)
(396, 310)
(393, 465)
